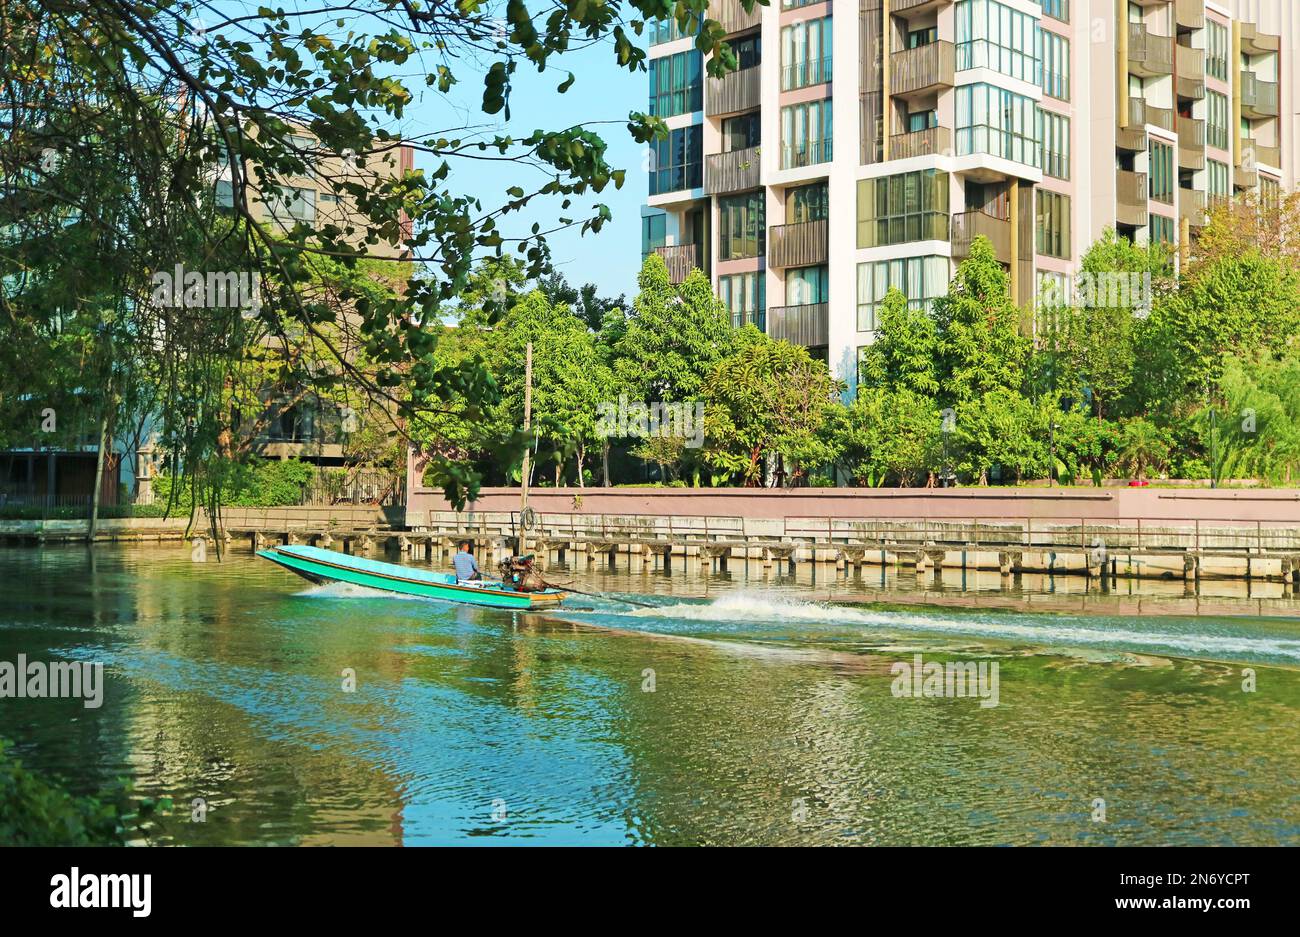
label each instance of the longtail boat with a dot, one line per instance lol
(317, 565)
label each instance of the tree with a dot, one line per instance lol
(903, 356)
(674, 337)
(999, 428)
(980, 347)
(770, 399)
(891, 436)
(1143, 447)
(188, 98)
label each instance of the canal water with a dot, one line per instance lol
(740, 709)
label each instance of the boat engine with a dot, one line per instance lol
(519, 573)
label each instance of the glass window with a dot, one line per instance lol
(653, 232)
(1270, 193)
(1160, 229)
(1056, 9)
(997, 122)
(293, 203)
(922, 37)
(748, 50)
(807, 203)
(1216, 53)
(922, 120)
(991, 35)
(806, 53)
(225, 194)
(1056, 66)
(1160, 174)
(678, 160)
(740, 133)
(1055, 137)
(676, 84)
(1217, 184)
(896, 209)
(920, 279)
(1053, 225)
(1050, 288)
(743, 295)
(1216, 125)
(806, 285)
(741, 231)
(806, 134)
(663, 30)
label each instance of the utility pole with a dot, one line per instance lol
(528, 422)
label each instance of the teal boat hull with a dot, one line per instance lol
(319, 565)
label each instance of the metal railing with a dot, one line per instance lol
(808, 324)
(809, 153)
(734, 92)
(1113, 536)
(732, 172)
(920, 143)
(968, 225)
(680, 259)
(806, 73)
(798, 245)
(928, 66)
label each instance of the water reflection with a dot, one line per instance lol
(770, 720)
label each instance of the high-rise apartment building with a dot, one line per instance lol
(866, 145)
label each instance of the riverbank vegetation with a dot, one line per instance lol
(1194, 375)
(36, 811)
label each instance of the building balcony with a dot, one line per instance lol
(809, 153)
(1149, 55)
(1190, 14)
(1133, 137)
(731, 172)
(1253, 153)
(807, 325)
(1191, 143)
(681, 259)
(1254, 42)
(1140, 112)
(1191, 205)
(1189, 72)
(733, 92)
(1245, 178)
(968, 225)
(1131, 197)
(1258, 97)
(798, 245)
(923, 69)
(733, 17)
(920, 143)
(807, 73)
(901, 7)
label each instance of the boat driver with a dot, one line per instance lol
(466, 565)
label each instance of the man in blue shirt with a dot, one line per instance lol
(466, 565)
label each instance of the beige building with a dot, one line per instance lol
(863, 147)
(296, 424)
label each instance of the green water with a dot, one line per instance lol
(769, 720)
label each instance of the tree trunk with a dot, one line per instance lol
(582, 454)
(604, 458)
(99, 477)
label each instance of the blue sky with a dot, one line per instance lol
(601, 92)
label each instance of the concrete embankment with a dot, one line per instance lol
(1158, 533)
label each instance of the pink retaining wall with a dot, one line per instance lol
(1248, 506)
